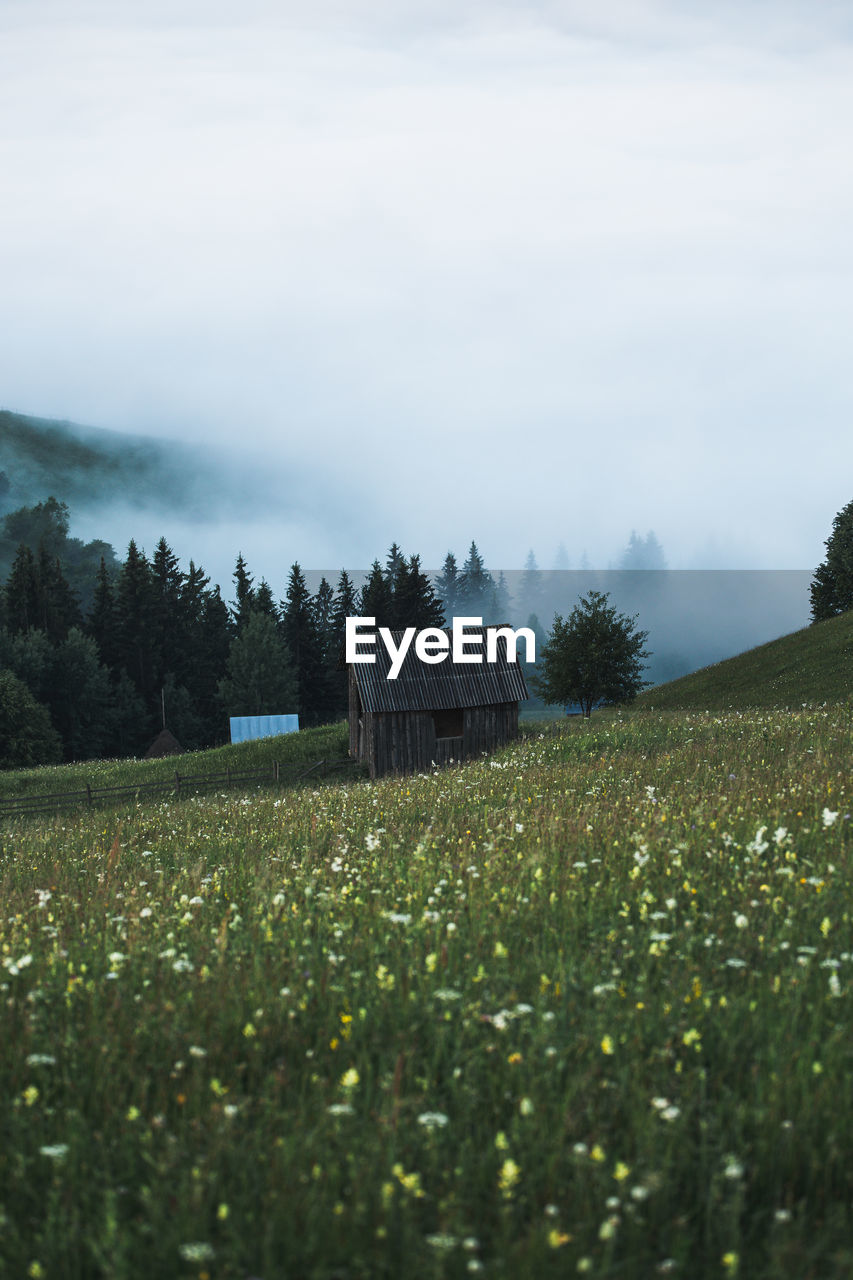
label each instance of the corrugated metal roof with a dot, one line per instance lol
(422, 687)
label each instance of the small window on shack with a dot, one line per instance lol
(448, 724)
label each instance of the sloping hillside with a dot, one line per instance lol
(814, 665)
(84, 466)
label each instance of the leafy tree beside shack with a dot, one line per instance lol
(594, 656)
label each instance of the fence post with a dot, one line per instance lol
(228, 775)
(177, 783)
(88, 795)
(275, 770)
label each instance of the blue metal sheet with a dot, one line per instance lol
(247, 728)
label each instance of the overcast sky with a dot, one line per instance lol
(526, 272)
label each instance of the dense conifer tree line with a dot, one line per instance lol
(97, 653)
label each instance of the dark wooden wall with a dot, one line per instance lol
(405, 741)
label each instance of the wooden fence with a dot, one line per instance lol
(176, 785)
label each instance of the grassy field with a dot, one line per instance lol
(581, 1008)
(329, 742)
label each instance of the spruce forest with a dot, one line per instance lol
(95, 653)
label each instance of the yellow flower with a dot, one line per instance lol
(621, 1172)
(597, 1153)
(607, 1045)
(222, 1212)
(30, 1096)
(509, 1176)
(350, 1078)
(556, 1239)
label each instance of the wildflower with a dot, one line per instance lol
(433, 1119)
(607, 1045)
(607, 1230)
(556, 1239)
(30, 1095)
(508, 1177)
(741, 921)
(730, 1262)
(829, 817)
(597, 1153)
(222, 1212)
(41, 1060)
(440, 1240)
(733, 1168)
(526, 1107)
(410, 1182)
(196, 1051)
(197, 1251)
(350, 1078)
(782, 1215)
(56, 1152)
(341, 1109)
(621, 1172)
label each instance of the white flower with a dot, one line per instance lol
(41, 1060)
(197, 1251)
(447, 993)
(519, 826)
(398, 917)
(196, 1051)
(741, 921)
(442, 1241)
(145, 913)
(733, 1168)
(829, 817)
(433, 1119)
(341, 1109)
(57, 1152)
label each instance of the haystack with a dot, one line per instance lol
(165, 744)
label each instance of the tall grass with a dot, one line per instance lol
(581, 1008)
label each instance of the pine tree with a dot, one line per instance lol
(264, 602)
(394, 561)
(475, 584)
(58, 606)
(447, 585)
(260, 677)
(134, 642)
(22, 592)
(415, 601)
(80, 697)
(103, 618)
(377, 598)
(243, 592)
(345, 606)
(530, 587)
(303, 642)
(167, 626)
(27, 736)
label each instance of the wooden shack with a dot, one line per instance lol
(431, 714)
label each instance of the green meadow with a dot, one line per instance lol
(579, 1008)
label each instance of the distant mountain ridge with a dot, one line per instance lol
(88, 467)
